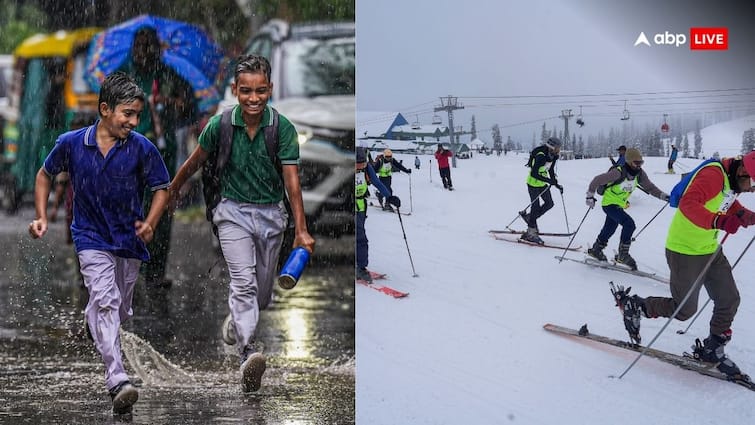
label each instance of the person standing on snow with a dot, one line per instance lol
(539, 181)
(416, 162)
(707, 206)
(672, 159)
(442, 155)
(384, 165)
(364, 176)
(620, 182)
(622, 152)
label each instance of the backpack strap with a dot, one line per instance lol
(271, 142)
(226, 141)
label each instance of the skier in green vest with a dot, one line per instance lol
(619, 182)
(707, 206)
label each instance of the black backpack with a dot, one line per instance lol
(217, 160)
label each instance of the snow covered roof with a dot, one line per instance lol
(377, 124)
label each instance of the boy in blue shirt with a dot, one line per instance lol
(110, 165)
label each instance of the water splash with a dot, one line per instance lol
(151, 366)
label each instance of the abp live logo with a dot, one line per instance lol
(709, 38)
(700, 39)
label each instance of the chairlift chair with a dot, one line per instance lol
(625, 115)
(580, 121)
(437, 120)
(664, 126)
(415, 124)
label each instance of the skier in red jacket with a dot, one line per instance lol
(442, 155)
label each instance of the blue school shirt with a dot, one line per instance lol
(108, 191)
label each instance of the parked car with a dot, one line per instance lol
(313, 75)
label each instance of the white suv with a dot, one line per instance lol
(313, 75)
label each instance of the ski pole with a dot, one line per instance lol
(528, 205)
(681, 332)
(430, 169)
(681, 304)
(411, 205)
(634, 238)
(398, 213)
(574, 236)
(565, 217)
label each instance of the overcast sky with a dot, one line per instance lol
(487, 52)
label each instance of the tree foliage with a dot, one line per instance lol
(18, 22)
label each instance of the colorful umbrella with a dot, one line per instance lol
(185, 48)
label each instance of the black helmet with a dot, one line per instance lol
(361, 155)
(553, 142)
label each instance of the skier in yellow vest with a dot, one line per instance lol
(707, 206)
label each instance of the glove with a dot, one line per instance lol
(393, 200)
(665, 197)
(748, 217)
(590, 201)
(409, 171)
(728, 223)
(560, 188)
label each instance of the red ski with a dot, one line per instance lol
(384, 289)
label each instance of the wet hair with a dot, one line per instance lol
(117, 89)
(252, 64)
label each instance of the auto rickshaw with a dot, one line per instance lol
(48, 94)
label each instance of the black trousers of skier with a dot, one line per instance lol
(445, 176)
(538, 209)
(386, 180)
(361, 241)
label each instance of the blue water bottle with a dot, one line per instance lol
(292, 270)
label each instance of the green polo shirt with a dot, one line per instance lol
(250, 175)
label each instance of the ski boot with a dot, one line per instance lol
(531, 236)
(711, 350)
(363, 274)
(596, 251)
(632, 308)
(624, 258)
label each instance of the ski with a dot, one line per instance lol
(384, 289)
(545, 245)
(613, 266)
(389, 211)
(521, 232)
(377, 276)
(685, 361)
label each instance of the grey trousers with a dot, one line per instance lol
(250, 236)
(718, 282)
(110, 281)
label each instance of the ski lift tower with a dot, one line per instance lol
(565, 115)
(449, 104)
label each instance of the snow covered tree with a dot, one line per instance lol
(748, 141)
(698, 140)
(544, 134)
(497, 139)
(685, 146)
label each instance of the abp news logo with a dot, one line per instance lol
(700, 39)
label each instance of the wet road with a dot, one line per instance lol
(50, 372)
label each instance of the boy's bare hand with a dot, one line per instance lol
(38, 228)
(144, 231)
